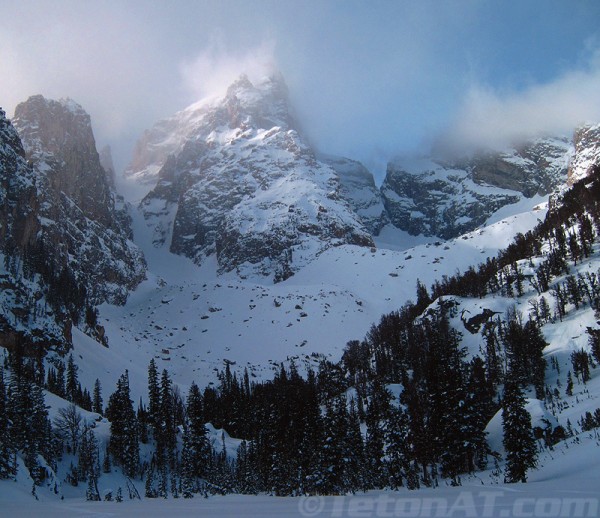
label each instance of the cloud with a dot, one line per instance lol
(215, 67)
(492, 118)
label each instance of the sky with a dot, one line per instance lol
(368, 79)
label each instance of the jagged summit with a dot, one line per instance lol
(244, 105)
(72, 213)
(236, 178)
(58, 139)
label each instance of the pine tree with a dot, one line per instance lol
(569, 387)
(376, 416)
(153, 398)
(357, 478)
(479, 407)
(91, 492)
(123, 444)
(187, 464)
(28, 416)
(198, 446)
(333, 462)
(60, 379)
(7, 451)
(97, 401)
(150, 492)
(398, 450)
(88, 454)
(72, 381)
(106, 467)
(167, 438)
(518, 440)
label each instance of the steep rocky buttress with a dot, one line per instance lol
(236, 179)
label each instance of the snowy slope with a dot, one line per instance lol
(191, 320)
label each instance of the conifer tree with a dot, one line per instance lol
(569, 387)
(72, 380)
(153, 399)
(123, 444)
(357, 478)
(398, 450)
(187, 464)
(518, 439)
(6, 448)
(28, 416)
(197, 446)
(376, 416)
(167, 439)
(97, 401)
(60, 379)
(332, 474)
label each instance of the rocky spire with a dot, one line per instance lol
(72, 207)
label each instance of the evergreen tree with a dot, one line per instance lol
(594, 341)
(60, 379)
(357, 478)
(153, 399)
(479, 408)
(581, 365)
(72, 381)
(167, 437)
(28, 416)
(569, 387)
(398, 450)
(187, 464)
(377, 412)
(196, 445)
(518, 440)
(123, 444)
(332, 479)
(97, 401)
(7, 451)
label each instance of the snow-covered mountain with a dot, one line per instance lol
(65, 237)
(587, 152)
(235, 178)
(75, 216)
(446, 198)
(237, 199)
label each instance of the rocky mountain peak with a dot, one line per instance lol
(243, 184)
(67, 206)
(59, 141)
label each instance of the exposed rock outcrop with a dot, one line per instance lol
(446, 199)
(236, 179)
(587, 152)
(70, 211)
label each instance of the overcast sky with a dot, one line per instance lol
(368, 79)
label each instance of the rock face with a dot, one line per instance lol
(23, 321)
(65, 205)
(236, 179)
(587, 152)
(446, 199)
(358, 188)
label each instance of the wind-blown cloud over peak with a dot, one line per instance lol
(214, 69)
(493, 118)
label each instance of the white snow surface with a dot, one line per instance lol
(191, 320)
